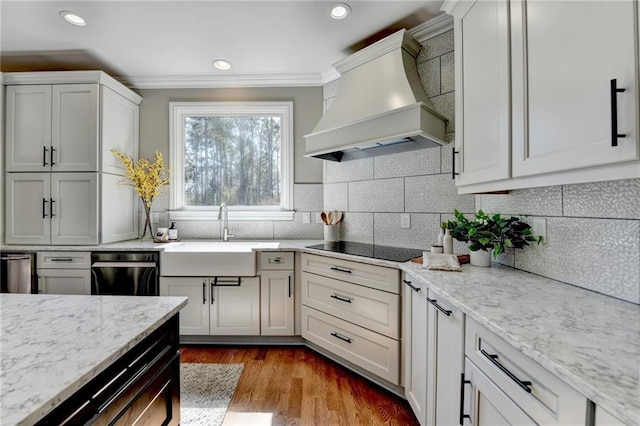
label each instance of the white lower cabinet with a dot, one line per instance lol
(508, 388)
(216, 306)
(352, 310)
(604, 418)
(445, 358)
(415, 347)
(64, 281)
(64, 272)
(276, 303)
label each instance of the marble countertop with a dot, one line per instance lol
(147, 245)
(590, 341)
(50, 346)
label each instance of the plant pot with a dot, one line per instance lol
(480, 258)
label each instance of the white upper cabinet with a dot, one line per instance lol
(535, 105)
(562, 101)
(482, 92)
(122, 137)
(52, 128)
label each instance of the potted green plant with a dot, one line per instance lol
(486, 233)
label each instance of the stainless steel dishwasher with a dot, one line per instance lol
(124, 273)
(18, 273)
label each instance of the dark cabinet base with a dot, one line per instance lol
(140, 388)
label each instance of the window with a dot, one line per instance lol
(239, 153)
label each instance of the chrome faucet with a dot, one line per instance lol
(223, 214)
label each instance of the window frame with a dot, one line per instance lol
(177, 113)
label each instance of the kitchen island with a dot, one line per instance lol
(64, 355)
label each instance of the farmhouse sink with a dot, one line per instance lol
(211, 258)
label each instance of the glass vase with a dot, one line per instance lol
(147, 223)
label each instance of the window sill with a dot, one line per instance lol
(233, 215)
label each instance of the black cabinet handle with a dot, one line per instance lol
(51, 213)
(524, 384)
(289, 285)
(341, 298)
(44, 156)
(434, 302)
(462, 383)
(62, 259)
(52, 151)
(339, 336)
(44, 208)
(453, 163)
(335, 268)
(212, 293)
(614, 113)
(204, 292)
(414, 288)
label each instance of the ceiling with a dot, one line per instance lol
(157, 43)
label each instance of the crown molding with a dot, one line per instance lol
(215, 81)
(330, 75)
(433, 27)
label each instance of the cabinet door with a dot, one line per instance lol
(482, 92)
(415, 346)
(119, 129)
(194, 318)
(118, 211)
(28, 128)
(74, 208)
(74, 128)
(64, 281)
(276, 303)
(445, 359)
(562, 109)
(28, 208)
(235, 310)
(488, 405)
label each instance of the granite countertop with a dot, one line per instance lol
(147, 245)
(50, 345)
(590, 341)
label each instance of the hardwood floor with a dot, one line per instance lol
(296, 386)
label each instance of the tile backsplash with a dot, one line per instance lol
(593, 230)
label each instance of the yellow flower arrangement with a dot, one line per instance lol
(147, 178)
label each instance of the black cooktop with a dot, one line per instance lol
(395, 254)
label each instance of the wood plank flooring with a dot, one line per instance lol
(296, 386)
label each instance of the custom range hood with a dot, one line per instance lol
(381, 106)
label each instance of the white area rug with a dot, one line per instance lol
(206, 391)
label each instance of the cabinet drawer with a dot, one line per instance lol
(550, 401)
(276, 260)
(372, 309)
(378, 277)
(64, 259)
(371, 351)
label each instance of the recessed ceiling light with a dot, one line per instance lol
(339, 10)
(222, 64)
(72, 18)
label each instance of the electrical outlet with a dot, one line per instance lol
(306, 217)
(539, 228)
(405, 221)
(155, 217)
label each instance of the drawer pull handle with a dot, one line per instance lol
(524, 384)
(276, 260)
(341, 298)
(341, 337)
(62, 259)
(335, 268)
(434, 302)
(462, 383)
(414, 288)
